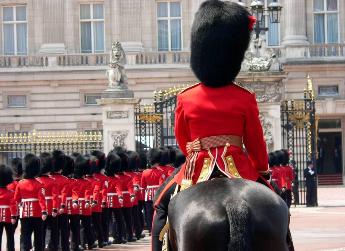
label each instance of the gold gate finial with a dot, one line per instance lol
(309, 92)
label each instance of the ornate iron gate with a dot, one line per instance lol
(299, 136)
(18, 144)
(155, 122)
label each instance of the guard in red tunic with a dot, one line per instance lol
(114, 191)
(30, 193)
(60, 197)
(8, 207)
(288, 176)
(17, 170)
(96, 203)
(133, 165)
(217, 118)
(104, 186)
(128, 194)
(165, 163)
(48, 184)
(150, 181)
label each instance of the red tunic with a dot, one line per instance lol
(126, 188)
(59, 190)
(48, 184)
(96, 186)
(8, 207)
(229, 110)
(113, 192)
(13, 185)
(141, 193)
(289, 176)
(68, 189)
(277, 176)
(151, 180)
(104, 185)
(136, 186)
(30, 193)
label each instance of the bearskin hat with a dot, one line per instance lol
(113, 164)
(219, 38)
(94, 165)
(154, 156)
(31, 165)
(143, 160)
(133, 160)
(286, 157)
(17, 168)
(124, 158)
(164, 159)
(81, 166)
(172, 154)
(46, 163)
(5, 176)
(179, 159)
(101, 160)
(69, 166)
(272, 160)
(59, 160)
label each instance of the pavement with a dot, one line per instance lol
(319, 228)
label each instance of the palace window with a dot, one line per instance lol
(14, 30)
(326, 28)
(169, 23)
(273, 34)
(16, 101)
(92, 28)
(328, 90)
(91, 99)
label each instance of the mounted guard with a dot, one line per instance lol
(215, 118)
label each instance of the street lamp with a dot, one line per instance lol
(257, 9)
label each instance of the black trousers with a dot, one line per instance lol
(287, 197)
(160, 217)
(63, 231)
(136, 222)
(105, 224)
(127, 215)
(29, 226)
(9, 228)
(75, 230)
(52, 224)
(97, 227)
(149, 214)
(87, 234)
(117, 224)
(141, 214)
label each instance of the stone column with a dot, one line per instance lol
(295, 22)
(118, 122)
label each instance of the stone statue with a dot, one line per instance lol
(116, 74)
(258, 58)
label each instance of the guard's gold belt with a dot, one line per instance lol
(213, 141)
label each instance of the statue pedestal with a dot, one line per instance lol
(118, 111)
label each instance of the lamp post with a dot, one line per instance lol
(258, 9)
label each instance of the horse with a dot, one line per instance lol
(228, 214)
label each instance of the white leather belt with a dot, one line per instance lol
(125, 192)
(150, 187)
(30, 200)
(112, 194)
(48, 197)
(3, 207)
(81, 199)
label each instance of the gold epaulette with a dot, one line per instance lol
(243, 87)
(189, 87)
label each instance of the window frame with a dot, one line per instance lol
(91, 94)
(267, 21)
(169, 18)
(16, 106)
(14, 22)
(325, 95)
(325, 12)
(92, 20)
